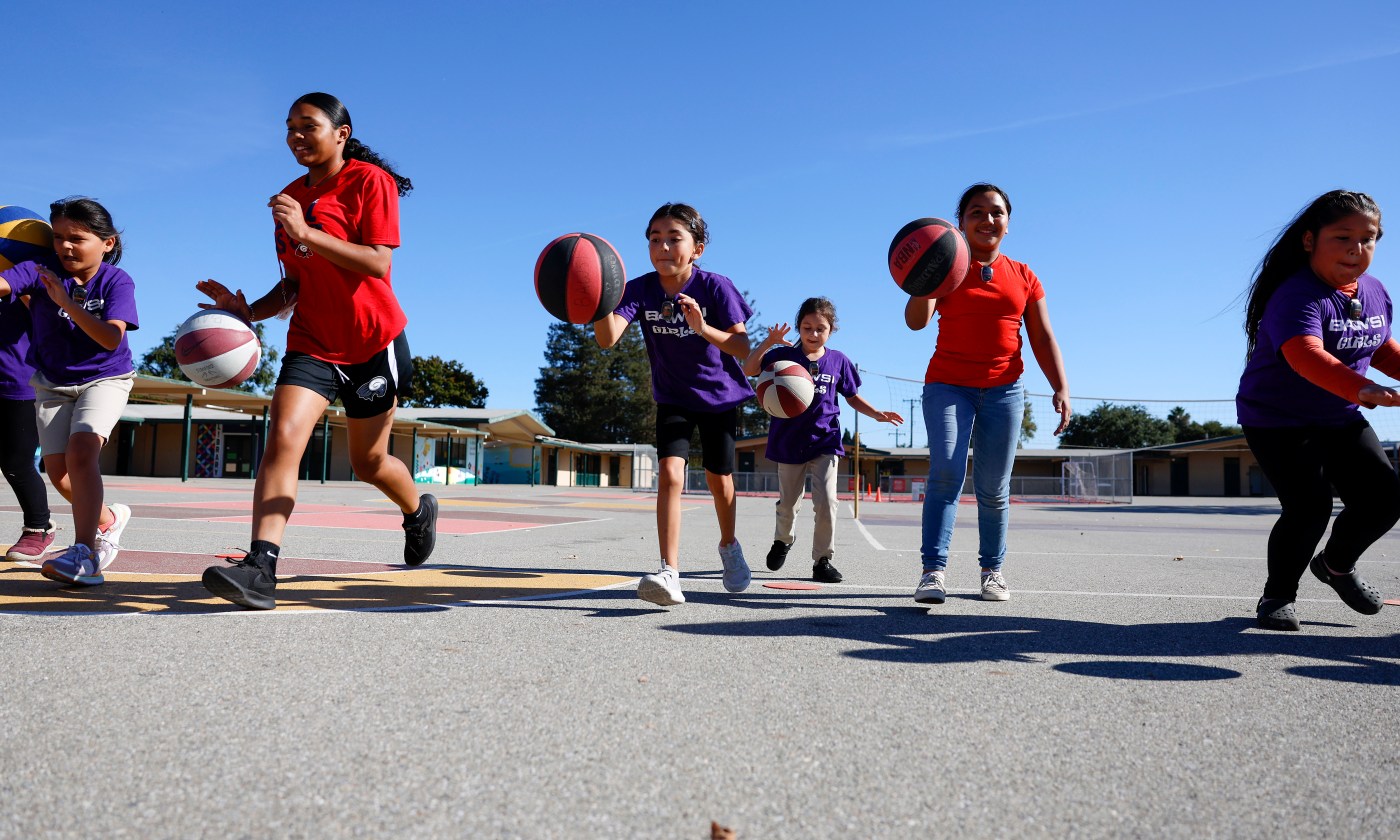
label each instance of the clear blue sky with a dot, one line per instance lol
(1151, 153)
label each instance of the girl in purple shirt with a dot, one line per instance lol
(1316, 323)
(81, 306)
(692, 323)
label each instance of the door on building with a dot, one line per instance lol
(239, 448)
(1181, 477)
(1232, 476)
(587, 469)
(615, 471)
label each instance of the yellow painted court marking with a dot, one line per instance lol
(24, 590)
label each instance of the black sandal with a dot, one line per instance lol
(1353, 590)
(1276, 614)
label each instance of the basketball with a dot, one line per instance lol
(579, 278)
(216, 349)
(24, 236)
(928, 258)
(785, 388)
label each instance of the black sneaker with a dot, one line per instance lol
(249, 582)
(824, 572)
(777, 555)
(1276, 614)
(1353, 589)
(420, 536)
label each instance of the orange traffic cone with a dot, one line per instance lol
(877, 492)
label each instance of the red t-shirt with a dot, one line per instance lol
(343, 317)
(979, 326)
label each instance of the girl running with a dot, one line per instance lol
(336, 229)
(973, 393)
(1315, 323)
(693, 327)
(811, 441)
(81, 307)
(19, 435)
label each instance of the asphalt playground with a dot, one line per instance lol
(516, 687)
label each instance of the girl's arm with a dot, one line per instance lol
(1047, 355)
(753, 365)
(919, 311)
(108, 334)
(267, 306)
(373, 260)
(1386, 359)
(608, 331)
(734, 341)
(1306, 355)
(858, 402)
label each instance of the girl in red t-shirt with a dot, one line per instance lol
(973, 393)
(336, 229)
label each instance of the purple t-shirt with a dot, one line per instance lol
(1271, 393)
(687, 370)
(14, 347)
(58, 348)
(816, 431)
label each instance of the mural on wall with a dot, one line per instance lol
(424, 460)
(209, 451)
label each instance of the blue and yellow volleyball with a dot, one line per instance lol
(24, 236)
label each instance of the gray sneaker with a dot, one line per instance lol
(931, 588)
(994, 587)
(736, 569)
(662, 588)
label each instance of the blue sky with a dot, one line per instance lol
(1151, 154)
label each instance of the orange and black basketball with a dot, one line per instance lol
(928, 258)
(579, 278)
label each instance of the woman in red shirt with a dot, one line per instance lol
(973, 393)
(336, 229)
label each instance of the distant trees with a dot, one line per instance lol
(444, 383)
(160, 361)
(1132, 427)
(586, 393)
(1028, 426)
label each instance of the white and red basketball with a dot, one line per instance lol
(216, 349)
(785, 388)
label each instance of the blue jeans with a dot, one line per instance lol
(990, 419)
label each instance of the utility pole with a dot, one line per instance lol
(911, 418)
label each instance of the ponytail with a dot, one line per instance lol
(355, 150)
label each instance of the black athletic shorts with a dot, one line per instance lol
(367, 389)
(674, 426)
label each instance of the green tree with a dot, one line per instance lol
(442, 383)
(589, 394)
(1116, 427)
(753, 420)
(1185, 429)
(160, 361)
(1028, 426)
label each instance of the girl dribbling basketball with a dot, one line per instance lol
(336, 229)
(693, 327)
(1315, 323)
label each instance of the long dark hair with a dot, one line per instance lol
(87, 212)
(685, 214)
(818, 306)
(339, 115)
(1287, 256)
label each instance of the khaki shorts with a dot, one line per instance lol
(63, 410)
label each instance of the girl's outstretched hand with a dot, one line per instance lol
(1059, 401)
(777, 334)
(1375, 395)
(232, 302)
(891, 417)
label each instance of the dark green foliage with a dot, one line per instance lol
(1028, 426)
(445, 383)
(1116, 427)
(592, 395)
(1185, 429)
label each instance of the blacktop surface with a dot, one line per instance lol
(516, 687)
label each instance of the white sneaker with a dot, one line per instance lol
(994, 587)
(931, 589)
(107, 541)
(662, 588)
(736, 569)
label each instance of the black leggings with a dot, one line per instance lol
(19, 437)
(1305, 464)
